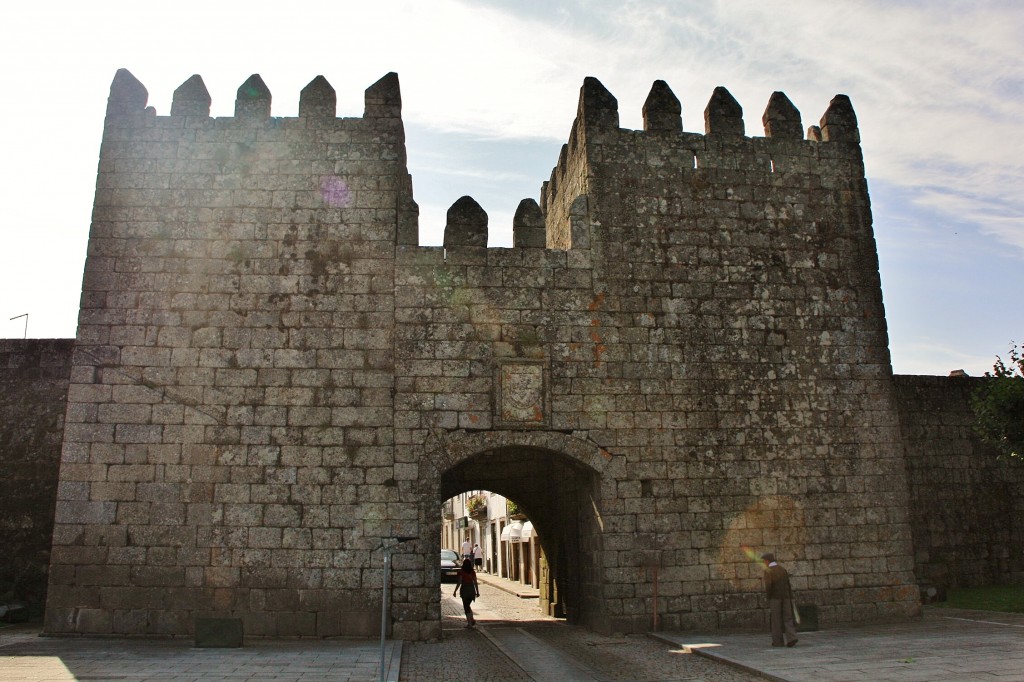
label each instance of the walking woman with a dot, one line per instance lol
(470, 590)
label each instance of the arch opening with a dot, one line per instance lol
(559, 496)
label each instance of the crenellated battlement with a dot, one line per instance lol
(723, 143)
(317, 101)
(595, 142)
(598, 110)
(195, 166)
(599, 151)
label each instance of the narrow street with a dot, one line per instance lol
(513, 641)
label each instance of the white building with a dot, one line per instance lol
(511, 547)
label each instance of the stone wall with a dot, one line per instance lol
(33, 396)
(714, 324)
(768, 354)
(273, 381)
(229, 431)
(966, 506)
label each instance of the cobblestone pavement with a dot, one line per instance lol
(513, 641)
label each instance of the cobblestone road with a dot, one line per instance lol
(513, 642)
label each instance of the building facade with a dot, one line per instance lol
(508, 541)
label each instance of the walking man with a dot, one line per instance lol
(780, 602)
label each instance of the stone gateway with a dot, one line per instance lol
(683, 353)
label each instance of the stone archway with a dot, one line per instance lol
(557, 480)
(446, 450)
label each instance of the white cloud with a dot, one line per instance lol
(938, 92)
(938, 88)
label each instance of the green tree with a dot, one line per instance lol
(998, 405)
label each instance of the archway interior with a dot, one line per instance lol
(560, 497)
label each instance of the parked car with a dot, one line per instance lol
(450, 565)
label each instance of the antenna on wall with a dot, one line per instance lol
(25, 315)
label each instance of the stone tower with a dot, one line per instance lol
(683, 353)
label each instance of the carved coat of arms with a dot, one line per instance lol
(522, 397)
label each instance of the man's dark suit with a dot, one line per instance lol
(780, 603)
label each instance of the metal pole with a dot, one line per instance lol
(655, 598)
(25, 315)
(384, 608)
(386, 596)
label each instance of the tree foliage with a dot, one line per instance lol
(998, 405)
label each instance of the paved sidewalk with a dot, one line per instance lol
(944, 645)
(26, 656)
(518, 589)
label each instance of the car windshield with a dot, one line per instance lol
(449, 555)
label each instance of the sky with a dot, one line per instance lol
(489, 91)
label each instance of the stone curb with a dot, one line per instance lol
(394, 664)
(711, 655)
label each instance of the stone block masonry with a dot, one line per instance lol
(232, 423)
(684, 352)
(33, 397)
(967, 506)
